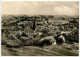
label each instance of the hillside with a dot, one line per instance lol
(22, 35)
(37, 51)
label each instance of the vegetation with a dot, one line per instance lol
(23, 30)
(73, 36)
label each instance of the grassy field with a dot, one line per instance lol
(55, 50)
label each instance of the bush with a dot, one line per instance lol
(73, 36)
(32, 41)
(10, 40)
(50, 33)
(19, 40)
(11, 43)
(43, 35)
(45, 42)
(3, 39)
(45, 30)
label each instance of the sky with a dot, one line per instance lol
(70, 8)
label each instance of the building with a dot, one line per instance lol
(65, 32)
(62, 37)
(51, 38)
(56, 22)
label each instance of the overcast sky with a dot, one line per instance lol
(40, 7)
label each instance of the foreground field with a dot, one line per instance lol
(56, 50)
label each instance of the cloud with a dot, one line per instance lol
(65, 10)
(41, 7)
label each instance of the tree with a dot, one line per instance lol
(73, 36)
(34, 25)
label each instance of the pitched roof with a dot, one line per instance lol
(61, 36)
(48, 37)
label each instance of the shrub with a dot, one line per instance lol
(10, 40)
(32, 41)
(19, 40)
(45, 42)
(73, 36)
(3, 39)
(11, 43)
(43, 35)
(45, 30)
(50, 33)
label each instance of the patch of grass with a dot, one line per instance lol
(64, 52)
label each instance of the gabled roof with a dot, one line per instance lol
(48, 37)
(61, 36)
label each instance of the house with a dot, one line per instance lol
(62, 37)
(65, 32)
(50, 38)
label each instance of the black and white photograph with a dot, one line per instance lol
(39, 28)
